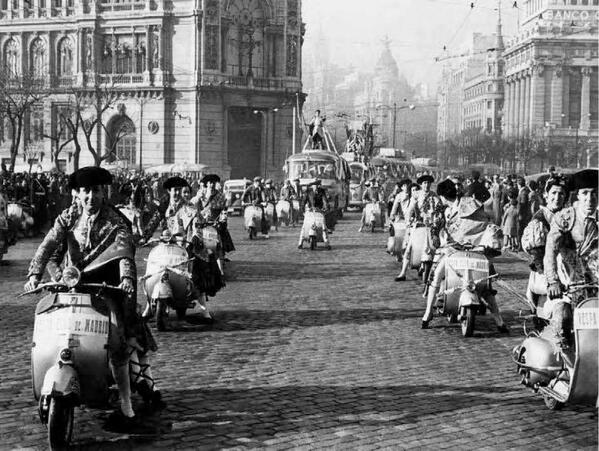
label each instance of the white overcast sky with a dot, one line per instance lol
(418, 30)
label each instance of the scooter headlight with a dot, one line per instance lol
(471, 286)
(71, 276)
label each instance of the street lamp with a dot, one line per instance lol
(395, 109)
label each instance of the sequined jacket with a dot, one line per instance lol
(107, 228)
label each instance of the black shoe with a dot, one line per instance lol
(400, 278)
(117, 422)
(424, 324)
(153, 399)
(299, 246)
(503, 329)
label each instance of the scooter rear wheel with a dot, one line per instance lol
(372, 226)
(468, 323)
(312, 243)
(60, 424)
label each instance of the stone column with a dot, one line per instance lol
(134, 42)
(585, 98)
(526, 104)
(148, 67)
(518, 106)
(80, 49)
(537, 96)
(557, 88)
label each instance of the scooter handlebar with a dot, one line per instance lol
(49, 285)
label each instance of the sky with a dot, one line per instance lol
(418, 30)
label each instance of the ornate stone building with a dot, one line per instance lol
(551, 79)
(198, 81)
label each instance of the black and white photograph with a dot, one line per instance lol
(299, 225)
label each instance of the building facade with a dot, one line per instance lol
(551, 79)
(199, 81)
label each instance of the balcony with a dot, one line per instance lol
(121, 79)
(130, 5)
(257, 83)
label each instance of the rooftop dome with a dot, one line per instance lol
(386, 65)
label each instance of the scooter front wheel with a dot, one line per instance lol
(312, 243)
(60, 424)
(552, 403)
(161, 315)
(468, 322)
(372, 226)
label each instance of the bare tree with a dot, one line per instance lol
(18, 93)
(62, 135)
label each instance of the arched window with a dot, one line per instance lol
(38, 58)
(65, 57)
(11, 57)
(121, 139)
(245, 41)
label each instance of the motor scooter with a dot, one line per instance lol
(269, 216)
(460, 296)
(563, 375)
(395, 242)
(212, 240)
(313, 228)
(167, 282)
(421, 250)
(69, 355)
(253, 220)
(21, 216)
(373, 215)
(283, 209)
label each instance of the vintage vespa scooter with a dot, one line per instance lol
(467, 276)
(167, 283)
(284, 212)
(395, 242)
(564, 375)
(313, 227)
(253, 220)
(373, 215)
(69, 356)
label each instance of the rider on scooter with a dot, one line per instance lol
(372, 193)
(180, 219)
(85, 232)
(254, 195)
(534, 237)
(270, 197)
(574, 236)
(426, 209)
(465, 223)
(316, 199)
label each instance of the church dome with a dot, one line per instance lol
(386, 65)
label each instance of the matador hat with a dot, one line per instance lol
(425, 178)
(175, 182)
(89, 176)
(212, 178)
(257, 179)
(587, 178)
(447, 189)
(404, 182)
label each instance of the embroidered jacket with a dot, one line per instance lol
(85, 242)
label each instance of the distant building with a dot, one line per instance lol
(199, 81)
(551, 79)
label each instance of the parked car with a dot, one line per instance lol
(233, 191)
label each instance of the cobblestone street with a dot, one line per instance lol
(312, 350)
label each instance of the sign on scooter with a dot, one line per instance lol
(586, 318)
(64, 321)
(471, 264)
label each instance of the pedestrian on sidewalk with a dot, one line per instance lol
(509, 225)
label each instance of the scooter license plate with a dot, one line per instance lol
(210, 235)
(74, 299)
(586, 318)
(462, 264)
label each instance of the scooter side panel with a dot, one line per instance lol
(283, 209)
(313, 218)
(583, 389)
(456, 263)
(252, 216)
(180, 287)
(85, 332)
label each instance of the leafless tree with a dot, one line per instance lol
(18, 93)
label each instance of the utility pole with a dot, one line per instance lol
(394, 121)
